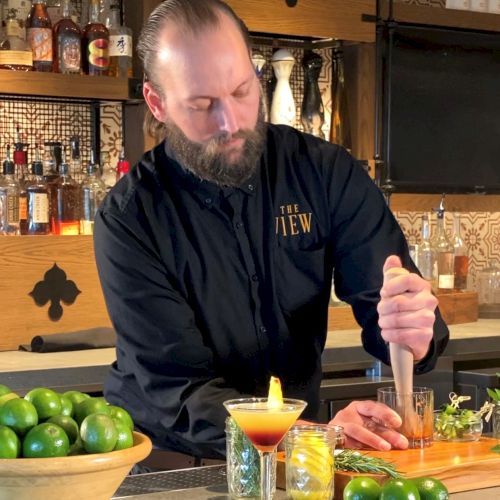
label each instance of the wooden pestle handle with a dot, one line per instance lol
(401, 355)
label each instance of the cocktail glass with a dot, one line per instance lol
(265, 425)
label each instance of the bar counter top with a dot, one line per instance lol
(85, 370)
(205, 483)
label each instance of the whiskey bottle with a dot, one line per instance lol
(93, 191)
(426, 255)
(15, 52)
(120, 44)
(39, 34)
(444, 253)
(461, 258)
(123, 165)
(37, 194)
(9, 198)
(67, 43)
(95, 44)
(65, 203)
(76, 169)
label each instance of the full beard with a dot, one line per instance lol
(209, 163)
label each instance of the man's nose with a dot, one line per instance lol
(225, 117)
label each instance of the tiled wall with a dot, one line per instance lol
(479, 230)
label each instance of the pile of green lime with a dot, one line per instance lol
(47, 424)
(420, 488)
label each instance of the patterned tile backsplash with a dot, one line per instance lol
(479, 230)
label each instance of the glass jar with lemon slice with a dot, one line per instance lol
(310, 462)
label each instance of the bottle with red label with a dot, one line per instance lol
(95, 44)
(39, 36)
(123, 165)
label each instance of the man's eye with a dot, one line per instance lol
(201, 105)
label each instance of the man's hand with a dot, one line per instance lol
(406, 310)
(368, 424)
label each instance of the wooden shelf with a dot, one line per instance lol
(99, 88)
(450, 18)
(341, 19)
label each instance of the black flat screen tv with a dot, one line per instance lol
(442, 110)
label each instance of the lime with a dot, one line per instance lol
(45, 440)
(69, 426)
(66, 405)
(4, 389)
(46, 401)
(77, 448)
(399, 489)
(10, 444)
(430, 488)
(75, 396)
(119, 414)
(18, 414)
(6, 397)
(125, 437)
(362, 488)
(98, 433)
(89, 406)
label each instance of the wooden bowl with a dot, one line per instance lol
(96, 476)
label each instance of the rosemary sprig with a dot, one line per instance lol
(353, 461)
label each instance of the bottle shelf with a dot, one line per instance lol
(96, 88)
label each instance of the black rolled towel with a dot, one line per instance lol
(93, 338)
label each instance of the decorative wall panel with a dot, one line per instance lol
(479, 230)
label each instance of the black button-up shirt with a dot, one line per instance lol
(211, 290)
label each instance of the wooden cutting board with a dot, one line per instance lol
(460, 466)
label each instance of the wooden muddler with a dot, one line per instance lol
(402, 368)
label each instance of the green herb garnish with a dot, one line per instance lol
(353, 461)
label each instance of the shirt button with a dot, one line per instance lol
(238, 225)
(208, 201)
(255, 277)
(250, 186)
(262, 329)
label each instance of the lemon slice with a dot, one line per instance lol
(275, 396)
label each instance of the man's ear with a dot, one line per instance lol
(154, 101)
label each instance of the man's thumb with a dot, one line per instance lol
(392, 261)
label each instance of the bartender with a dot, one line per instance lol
(216, 252)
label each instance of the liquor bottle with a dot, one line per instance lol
(37, 194)
(444, 253)
(65, 203)
(67, 43)
(426, 255)
(93, 191)
(108, 172)
(120, 44)
(312, 111)
(340, 131)
(123, 165)
(9, 198)
(21, 165)
(39, 34)
(95, 44)
(461, 258)
(15, 52)
(76, 169)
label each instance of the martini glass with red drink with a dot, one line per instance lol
(265, 425)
